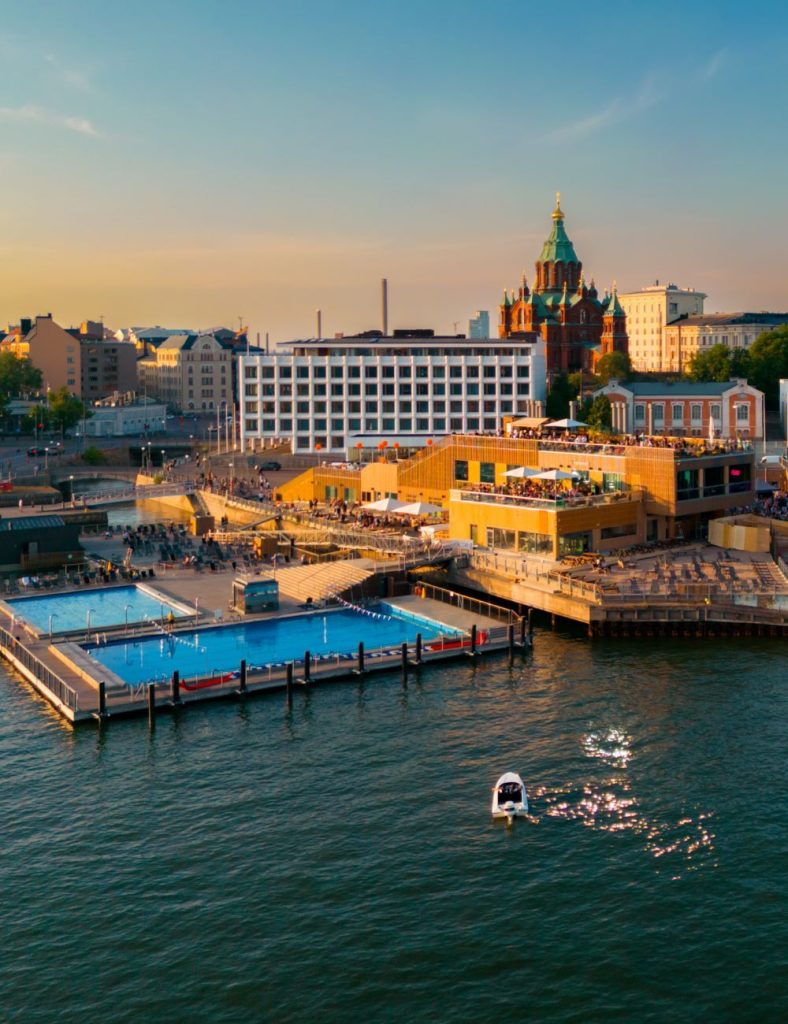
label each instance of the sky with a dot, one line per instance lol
(193, 162)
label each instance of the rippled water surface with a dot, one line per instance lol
(339, 863)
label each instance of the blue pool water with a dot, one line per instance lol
(262, 642)
(107, 608)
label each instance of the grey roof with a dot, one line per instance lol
(733, 319)
(31, 522)
(678, 389)
(187, 341)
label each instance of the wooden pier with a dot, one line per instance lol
(81, 690)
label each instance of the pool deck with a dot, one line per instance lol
(66, 676)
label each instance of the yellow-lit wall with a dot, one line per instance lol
(463, 515)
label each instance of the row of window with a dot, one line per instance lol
(317, 372)
(471, 389)
(696, 412)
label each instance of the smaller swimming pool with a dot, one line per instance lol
(109, 606)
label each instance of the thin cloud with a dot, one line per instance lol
(30, 114)
(617, 110)
(714, 65)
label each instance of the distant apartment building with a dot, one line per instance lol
(51, 349)
(479, 324)
(189, 372)
(404, 389)
(77, 358)
(648, 312)
(733, 409)
(693, 334)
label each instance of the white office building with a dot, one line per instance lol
(648, 312)
(333, 394)
(479, 324)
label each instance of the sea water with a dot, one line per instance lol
(337, 862)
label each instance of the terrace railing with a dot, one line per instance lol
(469, 604)
(51, 680)
(556, 503)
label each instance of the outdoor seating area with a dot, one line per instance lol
(687, 571)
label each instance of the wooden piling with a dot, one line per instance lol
(176, 689)
(242, 677)
(404, 664)
(418, 649)
(151, 704)
(510, 640)
(472, 651)
(360, 670)
(289, 683)
(522, 630)
(307, 667)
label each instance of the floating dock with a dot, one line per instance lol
(80, 689)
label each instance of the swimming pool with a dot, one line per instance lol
(107, 606)
(262, 642)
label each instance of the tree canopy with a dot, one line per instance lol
(712, 364)
(17, 376)
(613, 365)
(562, 391)
(768, 363)
(597, 412)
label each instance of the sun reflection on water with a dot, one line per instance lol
(609, 804)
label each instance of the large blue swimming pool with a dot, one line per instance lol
(262, 642)
(108, 607)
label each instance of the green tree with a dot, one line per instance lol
(94, 456)
(769, 363)
(562, 392)
(712, 364)
(596, 412)
(17, 376)
(613, 365)
(65, 410)
(740, 363)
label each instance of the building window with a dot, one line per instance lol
(678, 413)
(460, 469)
(498, 538)
(658, 412)
(696, 412)
(742, 413)
(487, 472)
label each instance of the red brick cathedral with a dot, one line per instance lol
(578, 327)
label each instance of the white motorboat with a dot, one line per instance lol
(509, 800)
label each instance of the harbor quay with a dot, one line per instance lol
(326, 578)
(184, 654)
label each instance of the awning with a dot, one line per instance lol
(530, 422)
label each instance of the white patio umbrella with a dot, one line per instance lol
(419, 508)
(384, 505)
(521, 472)
(552, 474)
(567, 424)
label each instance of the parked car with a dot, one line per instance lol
(34, 452)
(270, 466)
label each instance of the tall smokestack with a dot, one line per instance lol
(320, 323)
(384, 299)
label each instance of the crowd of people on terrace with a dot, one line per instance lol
(256, 489)
(528, 488)
(557, 440)
(773, 506)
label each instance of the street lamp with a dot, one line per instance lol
(232, 477)
(71, 488)
(52, 615)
